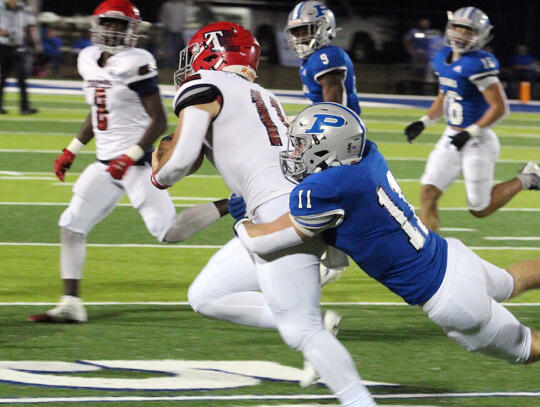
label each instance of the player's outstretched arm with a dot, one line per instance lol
(265, 238)
(435, 111)
(194, 219)
(63, 161)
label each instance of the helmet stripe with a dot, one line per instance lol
(470, 12)
(299, 7)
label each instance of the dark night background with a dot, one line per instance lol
(514, 21)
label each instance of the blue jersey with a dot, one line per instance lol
(464, 104)
(322, 61)
(379, 229)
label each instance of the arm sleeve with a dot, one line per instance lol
(314, 208)
(270, 243)
(186, 151)
(145, 87)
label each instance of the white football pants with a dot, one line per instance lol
(477, 161)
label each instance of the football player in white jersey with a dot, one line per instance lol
(126, 117)
(241, 127)
(472, 100)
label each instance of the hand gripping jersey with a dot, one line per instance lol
(119, 119)
(464, 103)
(247, 135)
(365, 214)
(322, 61)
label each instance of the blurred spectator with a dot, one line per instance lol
(173, 14)
(52, 52)
(82, 42)
(421, 43)
(204, 15)
(15, 19)
(523, 66)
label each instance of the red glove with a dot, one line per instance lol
(119, 166)
(157, 184)
(62, 163)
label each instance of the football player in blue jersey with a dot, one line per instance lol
(472, 100)
(347, 194)
(327, 72)
(327, 75)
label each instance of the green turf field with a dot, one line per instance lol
(391, 344)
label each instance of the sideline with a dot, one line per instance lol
(65, 87)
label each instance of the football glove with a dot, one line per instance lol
(236, 206)
(414, 129)
(460, 139)
(119, 166)
(62, 163)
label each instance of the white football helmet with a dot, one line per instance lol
(310, 26)
(321, 136)
(478, 29)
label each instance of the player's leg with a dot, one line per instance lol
(289, 280)
(526, 275)
(95, 195)
(442, 168)
(227, 289)
(464, 309)
(479, 157)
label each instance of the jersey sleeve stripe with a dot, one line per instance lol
(312, 224)
(334, 68)
(196, 95)
(483, 75)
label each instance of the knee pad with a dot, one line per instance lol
(477, 201)
(195, 296)
(293, 335)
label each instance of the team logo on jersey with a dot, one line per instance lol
(457, 69)
(325, 120)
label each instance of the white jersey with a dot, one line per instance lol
(247, 135)
(119, 119)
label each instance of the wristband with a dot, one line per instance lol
(474, 130)
(156, 183)
(426, 120)
(75, 146)
(135, 152)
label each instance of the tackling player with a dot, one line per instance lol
(241, 128)
(472, 100)
(348, 195)
(126, 117)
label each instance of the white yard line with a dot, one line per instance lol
(176, 303)
(177, 246)
(457, 230)
(249, 397)
(522, 238)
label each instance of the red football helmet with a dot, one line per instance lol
(115, 25)
(221, 46)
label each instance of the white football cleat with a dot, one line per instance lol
(329, 275)
(69, 310)
(532, 172)
(310, 376)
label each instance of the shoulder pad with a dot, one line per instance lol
(479, 64)
(195, 91)
(134, 65)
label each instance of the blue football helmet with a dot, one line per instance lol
(477, 31)
(310, 26)
(322, 135)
